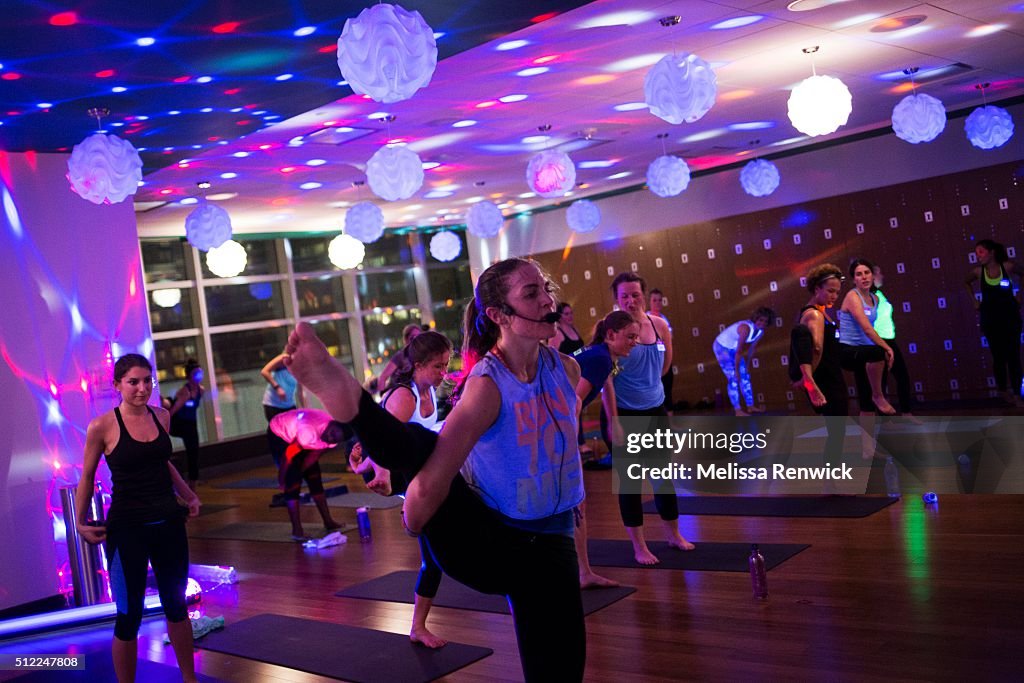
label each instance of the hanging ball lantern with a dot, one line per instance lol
(166, 298)
(759, 178)
(583, 216)
(365, 222)
(207, 226)
(104, 169)
(394, 173)
(989, 127)
(680, 88)
(484, 220)
(819, 105)
(918, 118)
(227, 260)
(667, 176)
(346, 252)
(387, 52)
(445, 246)
(551, 174)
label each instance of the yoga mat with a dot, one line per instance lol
(274, 532)
(345, 652)
(779, 506)
(707, 556)
(398, 587)
(361, 499)
(257, 483)
(211, 508)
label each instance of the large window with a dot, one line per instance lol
(230, 304)
(261, 259)
(389, 250)
(171, 356)
(383, 333)
(378, 290)
(309, 254)
(238, 358)
(165, 260)
(320, 295)
(171, 309)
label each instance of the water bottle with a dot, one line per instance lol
(892, 478)
(363, 520)
(930, 497)
(758, 577)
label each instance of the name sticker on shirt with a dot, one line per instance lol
(660, 345)
(1004, 283)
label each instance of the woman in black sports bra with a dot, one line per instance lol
(145, 524)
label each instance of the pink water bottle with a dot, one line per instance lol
(758, 577)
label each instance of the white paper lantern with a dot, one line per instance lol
(989, 127)
(759, 178)
(918, 118)
(484, 220)
(365, 222)
(207, 226)
(667, 176)
(583, 216)
(166, 298)
(387, 52)
(394, 173)
(819, 105)
(227, 260)
(346, 252)
(445, 246)
(551, 174)
(104, 169)
(680, 88)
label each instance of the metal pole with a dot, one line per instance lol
(88, 563)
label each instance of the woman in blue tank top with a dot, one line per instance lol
(640, 393)
(864, 353)
(494, 493)
(145, 524)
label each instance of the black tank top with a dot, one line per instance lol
(997, 301)
(143, 489)
(191, 406)
(571, 346)
(829, 373)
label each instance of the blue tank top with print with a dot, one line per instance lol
(638, 384)
(527, 465)
(850, 333)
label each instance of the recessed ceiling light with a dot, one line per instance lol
(616, 176)
(311, 185)
(118, 88)
(45, 105)
(189, 200)
(533, 71)
(486, 103)
(284, 77)
(465, 123)
(343, 129)
(316, 162)
(511, 45)
(228, 175)
(204, 79)
(240, 155)
(145, 42)
(206, 110)
(736, 22)
(304, 31)
(173, 112)
(508, 99)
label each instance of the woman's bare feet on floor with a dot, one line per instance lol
(644, 556)
(424, 637)
(681, 544)
(884, 407)
(592, 580)
(319, 372)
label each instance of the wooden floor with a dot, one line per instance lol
(909, 593)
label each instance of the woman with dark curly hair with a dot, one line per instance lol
(865, 353)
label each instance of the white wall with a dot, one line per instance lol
(842, 169)
(72, 295)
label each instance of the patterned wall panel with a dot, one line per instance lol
(921, 233)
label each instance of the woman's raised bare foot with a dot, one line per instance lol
(424, 637)
(884, 407)
(680, 543)
(322, 374)
(592, 580)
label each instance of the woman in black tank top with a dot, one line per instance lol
(146, 525)
(567, 338)
(820, 373)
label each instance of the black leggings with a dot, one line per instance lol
(1003, 335)
(129, 548)
(855, 359)
(901, 374)
(471, 542)
(430, 573)
(631, 507)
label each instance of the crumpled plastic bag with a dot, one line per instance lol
(201, 626)
(332, 539)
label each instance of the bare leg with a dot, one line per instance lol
(296, 519)
(125, 654)
(419, 632)
(868, 445)
(641, 553)
(588, 579)
(322, 374)
(180, 634)
(874, 371)
(325, 512)
(672, 535)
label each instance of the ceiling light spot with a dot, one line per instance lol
(288, 169)
(543, 17)
(736, 22)
(628, 18)
(206, 110)
(634, 63)
(304, 31)
(509, 99)
(890, 24)
(703, 135)
(222, 196)
(985, 30)
(511, 45)
(751, 125)
(45, 105)
(789, 141)
(311, 185)
(204, 79)
(616, 176)
(64, 19)
(378, 115)
(438, 35)
(106, 73)
(465, 123)
(600, 163)
(545, 59)
(438, 194)
(533, 71)
(118, 88)
(240, 155)
(527, 195)
(10, 76)
(535, 139)
(595, 79)
(428, 165)
(226, 27)
(284, 77)
(485, 104)
(630, 106)
(853, 21)
(189, 200)
(145, 41)
(228, 175)
(316, 162)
